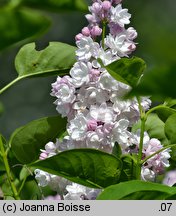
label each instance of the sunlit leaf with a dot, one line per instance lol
(57, 58)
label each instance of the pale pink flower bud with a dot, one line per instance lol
(86, 31)
(116, 1)
(43, 156)
(94, 74)
(106, 5)
(92, 125)
(96, 31)
(78, 37)
(96, 7)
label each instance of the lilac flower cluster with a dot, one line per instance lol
(92, 100)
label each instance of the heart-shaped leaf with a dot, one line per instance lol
(170, 128)
(57, 58)
(27, 141)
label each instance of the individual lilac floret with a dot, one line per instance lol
(85, 31)
(119, 45)
(158, 162)
(80, 73)
(42, 177)
(87, 48)
(170, 178)
(80, 192)
(106, 5)
(50, 150)
(120, 16)
(95, 31)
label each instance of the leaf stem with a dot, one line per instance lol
(10, 84)
(7, 168)
(155, 108)
(157, 152)
(143, 120)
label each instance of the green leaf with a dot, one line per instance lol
(154, 127)
(57, 58)
(137, 190)
(171, 103)
(31, 191)
(164, 112)
(1, 108)
(2, 167)
(127, 70)
(170, 128)
(18, 25)
(117, 151)
(27, 141)
(159, 82)
(88, 167)
(57, 5)
(129, 168)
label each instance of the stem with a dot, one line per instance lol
(155, 108)
(103, 34)
(157, 152)
(7, 168)
(10, 84)
(139, 159)
(22, 185)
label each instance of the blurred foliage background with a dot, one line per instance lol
(23, 21)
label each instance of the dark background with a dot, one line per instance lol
(154, 20)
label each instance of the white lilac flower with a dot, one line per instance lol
(94, 139)
(75, 192)
(91, 99)
(160, 160)
(65, 144)
(79, 192)
(107, 82)
(50, 150)
(78, 127)
(122, 135)
(87, 48)
(170, 178)
(121, 106)
(107, 57)
(147, 174)
(102, 113)
(80, 73)
(91, 95)
(63, 109)
(119, 45)
(56, 86)
(120, 16)
(42, 177)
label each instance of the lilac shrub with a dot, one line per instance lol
(92, 101)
